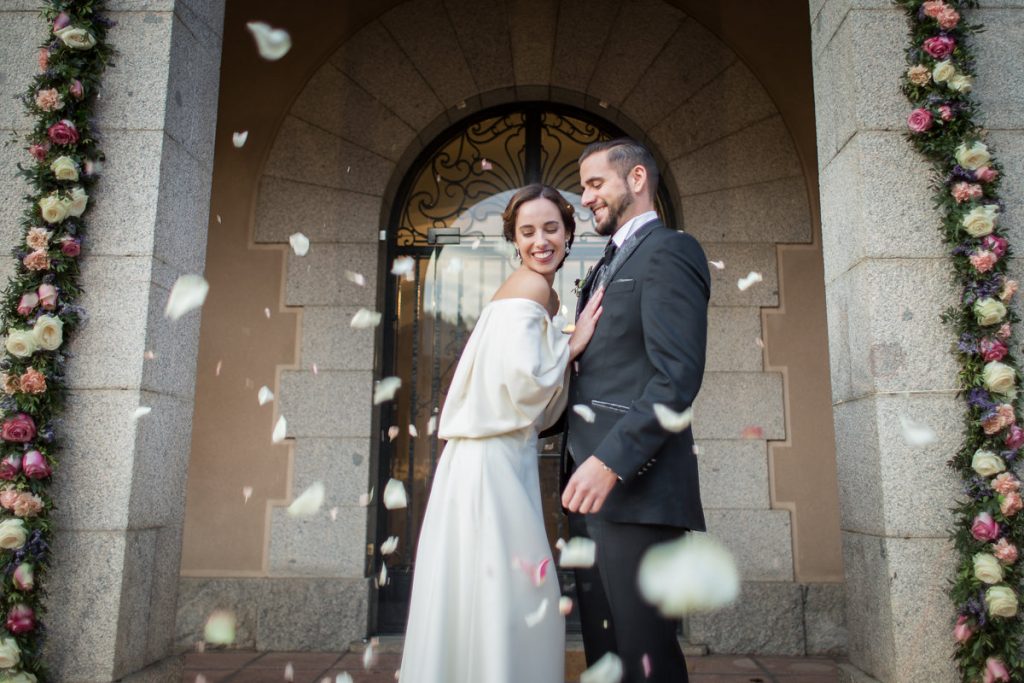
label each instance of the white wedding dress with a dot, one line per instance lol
(477, 614)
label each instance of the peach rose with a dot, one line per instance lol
(933, 8)
(37, 260)
(43, 59)
(1006, 483)
(49, 100)
(1005, 551)
(983, 260)
(1003, 418)
(1010, 504)
(33, 382)
(948, 18)
(28, 505)
(919, 75)
(8, 497)
(1009, 289)
(38, 238)
(963, 192)
(10, 382)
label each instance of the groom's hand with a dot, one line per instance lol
(589, 485)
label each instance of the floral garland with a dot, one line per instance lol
(988, 531)
(39, 313)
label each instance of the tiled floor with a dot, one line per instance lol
(270, 667)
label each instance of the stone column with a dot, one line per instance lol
(120, 490)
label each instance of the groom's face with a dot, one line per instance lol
(604, 192)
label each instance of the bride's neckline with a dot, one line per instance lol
(530, 301)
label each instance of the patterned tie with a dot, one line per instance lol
(606, 262)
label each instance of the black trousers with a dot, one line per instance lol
(613, 614)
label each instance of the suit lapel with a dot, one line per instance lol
(627, 249)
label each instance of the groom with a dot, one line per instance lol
(632, 484)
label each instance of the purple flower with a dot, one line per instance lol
(980, 398)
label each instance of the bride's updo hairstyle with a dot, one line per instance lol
(539, 191)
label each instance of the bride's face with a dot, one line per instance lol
(540, 235)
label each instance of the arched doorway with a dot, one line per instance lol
(446, 223)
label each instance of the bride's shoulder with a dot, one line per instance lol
(525, 284)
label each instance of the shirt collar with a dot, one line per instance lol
(631, 226)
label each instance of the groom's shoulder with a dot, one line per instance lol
(682, 243)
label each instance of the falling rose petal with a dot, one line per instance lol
(280, 429)
(265, 395)
(266, 312)
(355, 278)
(719, 265)
(917, 434)
(364, 319)
(189, 293)
(475, 244)
(646, 661)
(565, 605)
(149, 355)
(752, 432)
(334, 514)
(389, 546)
(385, 389)
(365, 498)
(393, 432)
(219, 221)
(382, 578)
(696, 449)
(200, 678)
(343, 677)
(603, 104)
(759, 342)
(246, 493)
(586, 412)
(485, 165)
(272, 43)
(752, 278)
(670, 420)
(216, 370)
(431, 425)
(537, 615)
(369, 656)
(238, 139)
(220, 628)
(309, 502)
(541, 572)
(141, 411)
(300, 243)
(693, 574)
(403, 265)
(394, 495)
(289, 672)
(413, 432)
(608, 669)
(316, 371)
(579, 552)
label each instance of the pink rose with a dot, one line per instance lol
(1015, 437)
(1004, 331)
(984, 528)
(76, 89)
(34, 382)
(1006, 483)
(63, 133)
(44, 58)
(945, 112)
(27, 303)
(997, 245)
(62, 21)
(10, 467)
(983, 260)
(986, 174)
(1009, 289)
(948, 18)
(39, 150)
(18, 429)
(36, 466)
(28, 505)
(47, 296)
(932, 8)
(1005, 551)
(1002, 419)
(69, 246)
(962, 632)
(24, 578)
(8, 497)
(37, 260)
(995, 670)
(939, 47)
(919, 120)
(993, 349)
(963, 192)
(21, 619)
(1011, 504)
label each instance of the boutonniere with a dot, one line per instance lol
(578, 285)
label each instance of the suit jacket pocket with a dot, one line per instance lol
(624, 285)
(610, 407)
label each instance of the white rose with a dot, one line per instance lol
(943, 71)
(53, 208)
(12, 534)
(989, 311)
(10, 653)
(987, 568)
(18, 677)
(987, 463)
(79, 200)
(973, 157)
(1001, 601)
(48, 332)
(20, 343)
(76, 38)
(998, 377)
(960, 83)
(980, 221)
(64, 168)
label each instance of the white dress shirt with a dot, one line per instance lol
(632, 225)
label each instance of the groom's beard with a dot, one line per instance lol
(612, 222)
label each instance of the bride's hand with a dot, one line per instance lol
(586, 324)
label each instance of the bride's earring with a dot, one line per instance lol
(519, 256)
(567, 249)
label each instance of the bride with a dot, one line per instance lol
(485, 595)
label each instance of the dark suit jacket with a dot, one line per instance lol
(648, 348)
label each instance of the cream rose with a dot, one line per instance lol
(20, 343)
(987, 463)
(943, 71)
(12, 534)
(973, 157)
(10, 653)
(999, 378)
(76, 38)
(48, 332)
(987, 568)
(64, 168)
(53, 208)
(1000, 600)
(78, 202)
(980, 221)
(19, 677)
(960, 83)
(989, 311)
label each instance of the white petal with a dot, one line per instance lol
(343, 677)
(299, 242)
(364, 319)
(369, 656)
(916, 434)
(394, 495)
(608, 669)
(141, 411)
(670, 420)
(219, 219)
(220, 628)
(719, 265)
(149, 355)
(403, 265)
(578, 552)
(265, 395)
(289, 672)
(334, 514)
(355, 278)
(382, 578)
(365, 498)
(692, 574)
(246, 493)
(752, 278)
(238, 139)
(565, 605)
(280, 430)
(189, 292)
(385, 389)
(393, 432)
(586, 412)
(389, 546)
(485, 165)
(432, 425)
(273, 43)
(309, 502)
(537, 615)
(216, 370)
(476, 244)
(266, 312)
